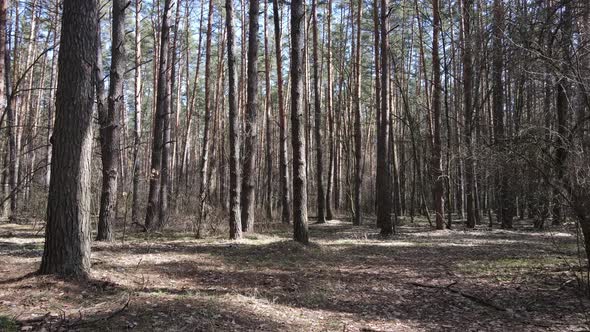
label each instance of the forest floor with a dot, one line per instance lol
(348, 279)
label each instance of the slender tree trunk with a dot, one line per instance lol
(137, 114)
(358, 141)
(330, 112)
(162, 108)
(235, 225)
(251, 128)
(67, 234)
(268, 147)
(7, 172)
(283, 154)
(436, 167)
(165, 175)
(383, 176)
(300, 233)
(204, 165)
(504, 201)
(321, 197)
(110, 122)
(468, 111)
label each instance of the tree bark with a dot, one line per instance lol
(204, 165)
(383, 176)
(468, 112)
(300, 232)
(67, 234)
(152, 220)
(110, 125)
(321, 197)
(235, 224)
(436, 167)
(358, 136)
(137, 116)
(251, 128)
(283, 154)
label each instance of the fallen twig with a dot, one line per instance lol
(80, 322)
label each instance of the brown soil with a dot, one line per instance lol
(348, 279)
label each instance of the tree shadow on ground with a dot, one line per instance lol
(349, 274)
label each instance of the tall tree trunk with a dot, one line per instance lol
(12, 124)
(330, 112)
(110, 125)
(562, 105)
(504, 202)
(321, 197)
(204, 165)
(162, 108)
(137, 116)
(436, 167)
(358, 141)
(283, 154)
(383, 176)
(300, 233)
(267, 111)
(165, 175)
(468, 111)
(235, 225)
(251, 128)
(8, 187)
(67, 234)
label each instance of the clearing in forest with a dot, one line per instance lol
(348, 279)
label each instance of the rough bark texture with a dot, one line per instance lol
(110, 126)
(251, 128)
(162, 105)
(300, 233)
(235, 224)
(284, 158)
(67, 234)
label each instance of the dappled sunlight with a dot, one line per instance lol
(269, 282)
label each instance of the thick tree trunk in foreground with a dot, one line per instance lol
(300, 233)
(67, 234)
(284, 159)
(251, 128)
(235, 224)
(110, 126)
